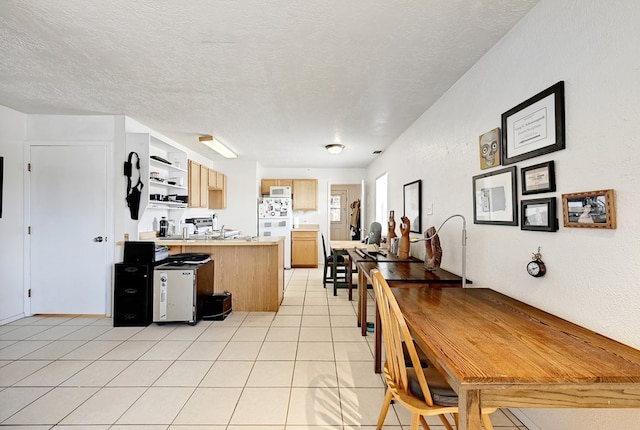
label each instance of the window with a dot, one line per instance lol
(381, 199)
(334, 208)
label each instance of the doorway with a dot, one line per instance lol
(67, 219)
(344, 212)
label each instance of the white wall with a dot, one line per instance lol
(12, 228)
(591, 274)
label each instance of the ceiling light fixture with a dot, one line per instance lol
(217, 146)
(334, 148)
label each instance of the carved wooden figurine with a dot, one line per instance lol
(404, 246)
(392, 228)
(433, 257)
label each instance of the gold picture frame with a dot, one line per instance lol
(591, 209)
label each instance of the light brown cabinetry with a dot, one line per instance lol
(195, 183)
(204, 186)
(305, 191)
(218, 195)
(305, 194)
(265, 185)
(207, 187)
(304, 248)
(216, 180)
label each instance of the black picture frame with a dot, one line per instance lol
(412, 204)
(494, 197)
(534, 127)
(539, 214)
(539, 178)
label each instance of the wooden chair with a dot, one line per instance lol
(340, 266)
(423, 391)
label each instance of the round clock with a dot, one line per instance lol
(536, 268)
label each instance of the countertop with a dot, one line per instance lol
(255, 241)
(307, 227)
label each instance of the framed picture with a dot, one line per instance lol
(490, 149)
(494, 198)
(593, 209)
(412, 195)
(538, 214)
(540, 178)
(535, 126)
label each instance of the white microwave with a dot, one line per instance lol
(279, 191)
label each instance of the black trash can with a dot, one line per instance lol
(217, 306)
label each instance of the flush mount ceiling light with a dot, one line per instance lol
(217, 146)
(334, 148)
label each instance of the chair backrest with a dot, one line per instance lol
(375, 233)
(395, 332)
(324, 247)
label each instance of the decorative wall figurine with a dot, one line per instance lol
(405, 245)
(433, 257)
(490, 149)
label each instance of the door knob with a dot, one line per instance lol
(98, 239)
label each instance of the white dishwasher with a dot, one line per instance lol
(179, 291)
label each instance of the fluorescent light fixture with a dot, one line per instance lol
(334, 148)
(217, 146)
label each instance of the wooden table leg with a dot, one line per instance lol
(469, 407)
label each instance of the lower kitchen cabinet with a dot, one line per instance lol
(304, 248)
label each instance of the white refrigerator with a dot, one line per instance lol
(275, 218)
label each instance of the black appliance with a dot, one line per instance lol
(217, 306)
(133, 284)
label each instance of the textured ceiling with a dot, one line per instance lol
(274, 80)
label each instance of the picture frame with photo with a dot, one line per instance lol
(494, 197)
(535, 126)
(538, 214)
(591, 209)
(539, 178)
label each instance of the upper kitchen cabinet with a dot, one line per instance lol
(207, 187)
(266, 184)
(163, 167)
(217, 190)
(216, 180)
(305, 194)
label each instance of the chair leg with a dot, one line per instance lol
(415, 419)
(424, 423)
(446, 422)
(486, 422)
(324, 277)
(385, 408)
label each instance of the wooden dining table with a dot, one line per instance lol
(399, 274)
(496, 351)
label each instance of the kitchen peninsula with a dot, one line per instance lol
(251, 270)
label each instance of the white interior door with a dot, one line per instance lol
(339, 215)
(68, 222)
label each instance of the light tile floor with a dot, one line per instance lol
(303, 368)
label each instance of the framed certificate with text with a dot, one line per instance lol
(535, 126)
